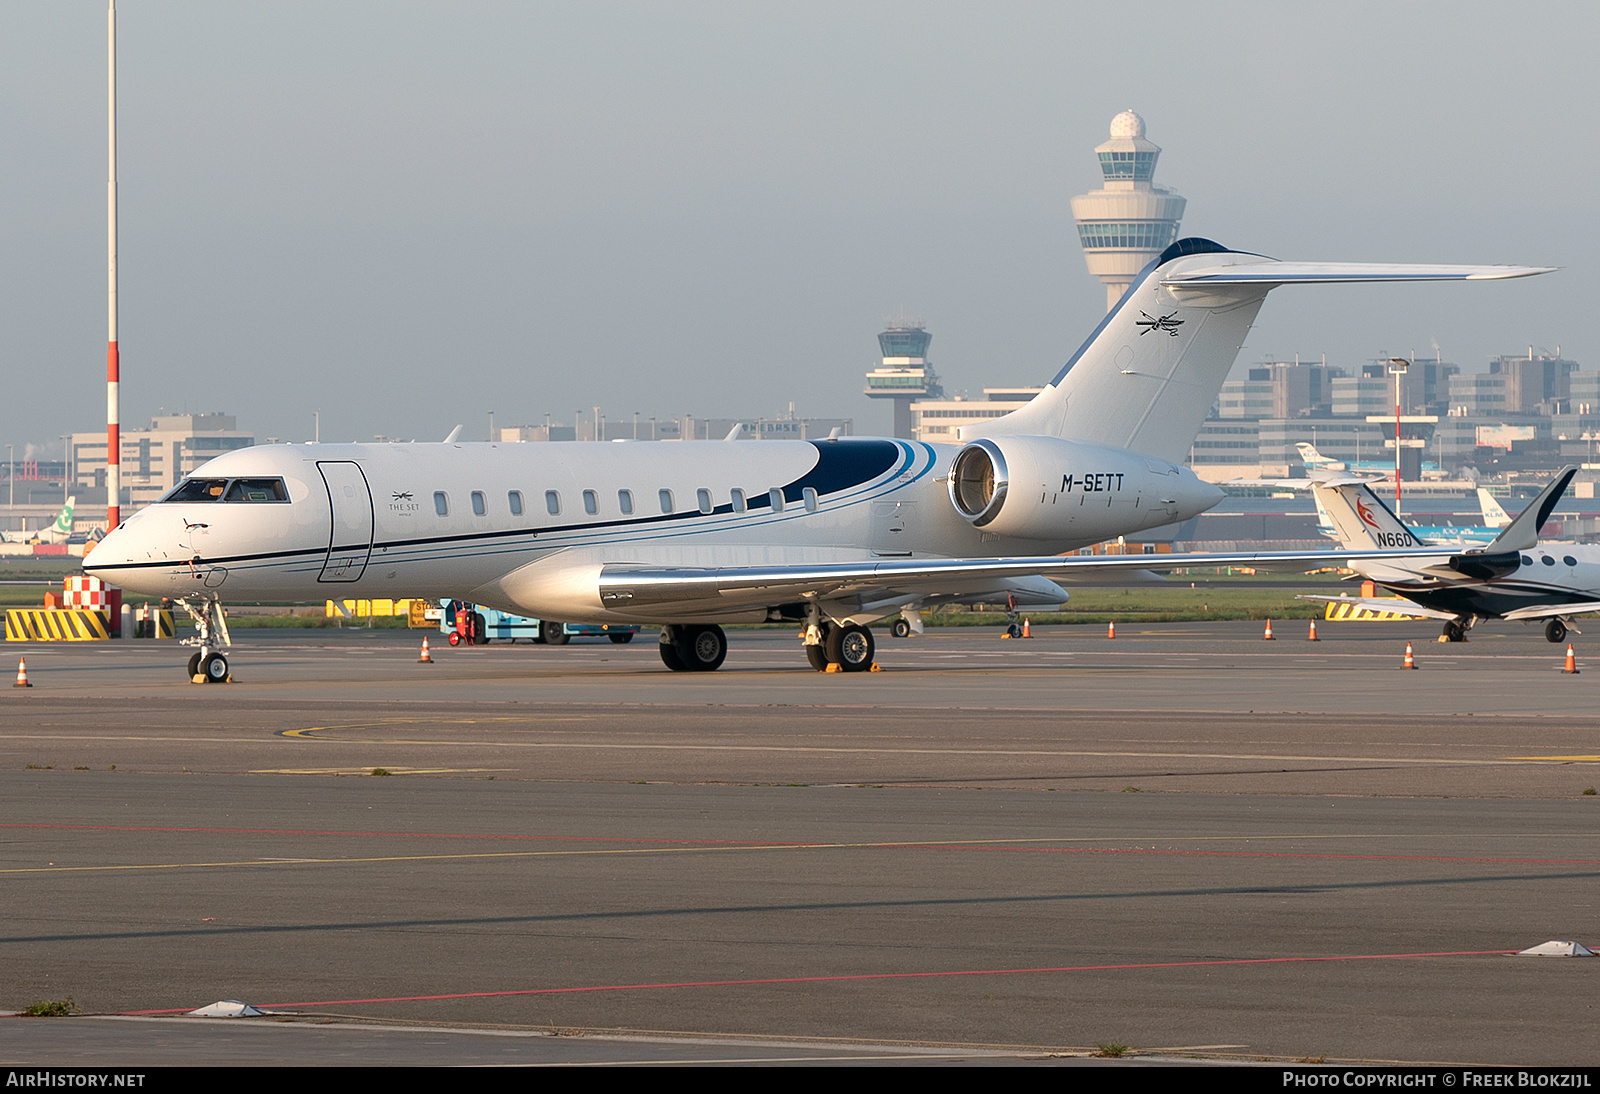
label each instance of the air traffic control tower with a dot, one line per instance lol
(905, 374)
(1128, 221)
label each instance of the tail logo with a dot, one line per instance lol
(1365, 513)
(1163, 323)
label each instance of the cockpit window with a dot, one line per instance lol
(256, 490)
(198, 490)
(191, 490)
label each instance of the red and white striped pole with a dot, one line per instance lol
(113, 370)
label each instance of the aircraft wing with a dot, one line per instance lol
(1551, 611)
(624, 585)
(1390, 605)
(1334, 273)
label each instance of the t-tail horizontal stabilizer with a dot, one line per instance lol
(1147, 376)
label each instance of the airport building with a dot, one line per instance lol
(1129, 220)
(905, 374)
(596, 426)
(155, 459)
(940, 421)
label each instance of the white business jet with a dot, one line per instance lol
(1510, 578)
(833, 535)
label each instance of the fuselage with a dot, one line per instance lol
(525, 527)
(1549, 574)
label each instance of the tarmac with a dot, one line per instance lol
(1186, 841)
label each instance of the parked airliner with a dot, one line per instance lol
(1511, 578)
(833, 535)
(59, 532)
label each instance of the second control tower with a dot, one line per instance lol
(1128, 221)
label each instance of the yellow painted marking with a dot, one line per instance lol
(1560, 759)
(1139, 843)
(311, 733)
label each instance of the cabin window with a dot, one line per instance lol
(703, 496)
(441, 503)
(811, 499)
(1527, 561)
(552, 503)
(1569, 560)
(480, 504)
(739, 505)
(775, 497)
(666, 501)
(591, 502)
(514, 498)
(1547, 560)
(625, 502)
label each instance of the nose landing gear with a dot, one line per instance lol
(207, 665)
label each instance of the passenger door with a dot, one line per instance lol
(350, 537)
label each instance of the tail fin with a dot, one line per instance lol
(63, 524)
(1360, 520)
(1146, 378)
(1493, 515)
(1523, 532)
(1310, 456)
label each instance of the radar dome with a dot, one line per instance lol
(1127, 125)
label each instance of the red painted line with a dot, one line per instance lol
(864, 976)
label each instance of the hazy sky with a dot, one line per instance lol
(411, 214)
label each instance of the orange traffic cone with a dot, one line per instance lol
(1572, 662)
(1027, 632)
(424, 659)
(1267, 637)
(22, 675)
(1311, 636)
(1111, 628)
(1410, 662)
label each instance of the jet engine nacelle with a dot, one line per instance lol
(1052, 489)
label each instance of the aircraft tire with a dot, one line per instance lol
(900, 629)
(194, 664)
(670, 658)
(215, 669)
(553, 633)
(818, 658)
(621, 639)
(1013, 631)
(851, 648)
(701, 648)
(1555, 631)
(1453, 632)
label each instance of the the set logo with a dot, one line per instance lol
(1164, 323)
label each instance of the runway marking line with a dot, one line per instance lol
(847, 977)
(311, 733)
(941, 845)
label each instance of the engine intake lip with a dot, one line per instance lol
(978, 482)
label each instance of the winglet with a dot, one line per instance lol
(1523, 532)
(451, 439)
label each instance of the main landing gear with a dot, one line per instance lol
(1555, 630)
(1454, 631)
(207, 665)
(850, 647)
(693, 647)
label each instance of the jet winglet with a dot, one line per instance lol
(1523, 532)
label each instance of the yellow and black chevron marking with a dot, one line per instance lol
(55, 625)
(1357, 613)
